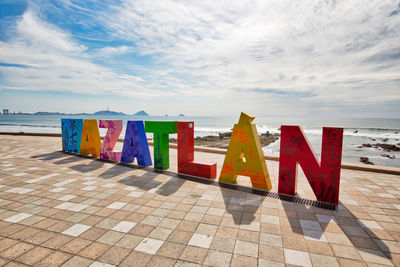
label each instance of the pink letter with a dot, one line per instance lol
(111, 138)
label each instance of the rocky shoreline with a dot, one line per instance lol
(381, 146)
(222, 141)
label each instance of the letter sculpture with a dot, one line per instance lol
(71, 130)
(161, 131)
(245, 156)
(186, 163)
(110, 139)
(135, 144)
(90, 138)
(323, 177)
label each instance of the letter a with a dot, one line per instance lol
(135, 144)
(323, 177)
(245, 156)
(90, 143)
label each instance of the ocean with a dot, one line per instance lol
(357, 131)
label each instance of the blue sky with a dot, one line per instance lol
(277, 58)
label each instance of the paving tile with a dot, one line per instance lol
(323, 260)
(194, 254)
(94, 250)
(297, 257)
(142, 230)
(100, 264)
(271, 253)
(77, 261)
(246, 248)
(149, 245)
(374, 257)
(76, 230)
(243, 261)
(124, 226)
(116, 205)
(129, 241)
(136, 258)
(75, 245)
(110, 237)
(217, 258)
(57, 241)
(34, 255)
(270, 240)
(160, 233)
(114, 255)
(18, 217)
(310, 225)
(199, 240)
(55, 258)
(16, 250)
(93, 233)
(319, 248)
(170, 249)
(345, 252)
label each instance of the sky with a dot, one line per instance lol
(210, 57)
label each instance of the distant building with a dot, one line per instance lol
(5, 111)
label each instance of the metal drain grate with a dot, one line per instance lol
(293, 199)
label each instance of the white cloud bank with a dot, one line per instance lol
(303, 53)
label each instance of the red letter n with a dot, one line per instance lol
(323, 177)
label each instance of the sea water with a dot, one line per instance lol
(357, 131)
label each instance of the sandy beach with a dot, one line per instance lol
(60, 209)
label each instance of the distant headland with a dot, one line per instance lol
(99, 113)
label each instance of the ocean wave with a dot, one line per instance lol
(29, 125)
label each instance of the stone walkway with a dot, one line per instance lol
(62, 210)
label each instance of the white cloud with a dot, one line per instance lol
(253, 53)
(291, 46)
(56, 62)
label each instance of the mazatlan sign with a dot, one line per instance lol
(243, 157)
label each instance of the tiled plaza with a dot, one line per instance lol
(63, 210)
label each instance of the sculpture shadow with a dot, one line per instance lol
(50, 156)
(114, 171)
(70, 159)
(360, 236)
(144, 181)
(241, 205)
(92, 166)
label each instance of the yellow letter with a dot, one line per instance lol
(90, 143)
(245, 156)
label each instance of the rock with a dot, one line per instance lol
(366, 160)
(385, 139)
(373, 139)
(365, 145)
(225, 135)
(222, 141)
(385, 147)
(388, 156)
(268, 139)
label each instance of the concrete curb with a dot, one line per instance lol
(345, 165)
